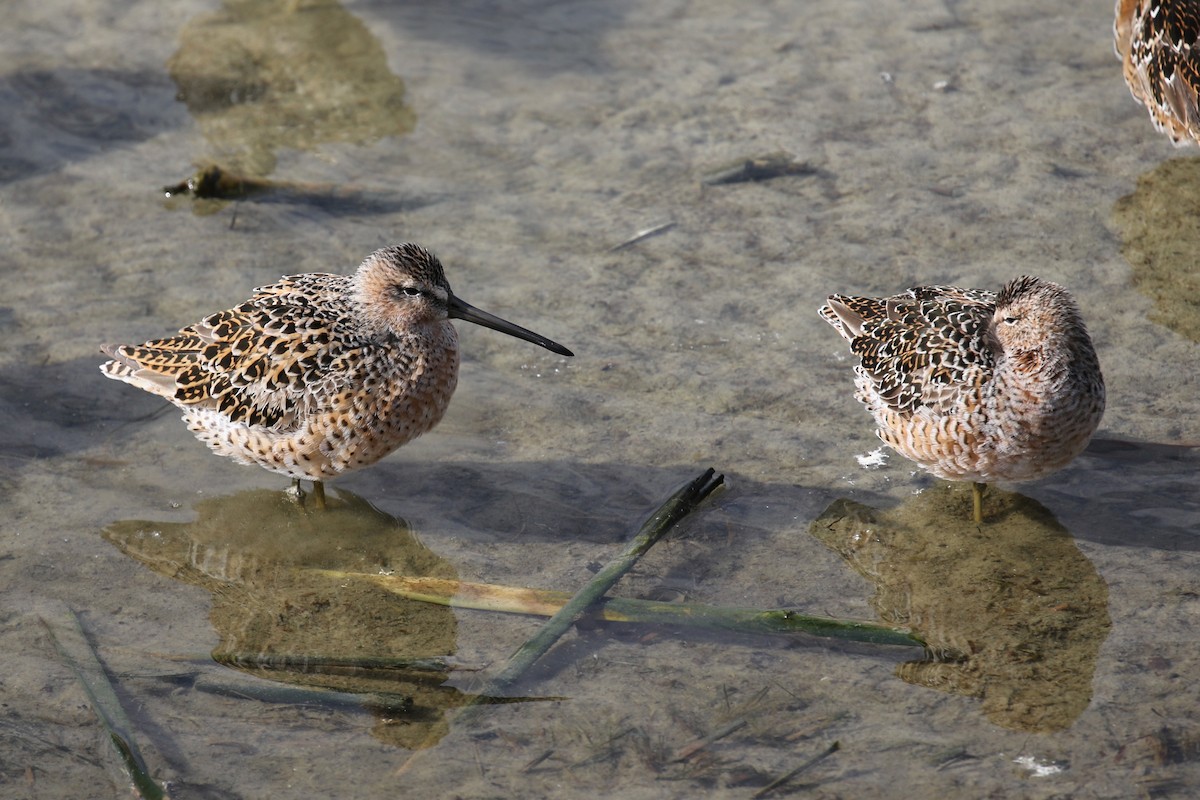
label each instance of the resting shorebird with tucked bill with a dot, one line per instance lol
(973, 385)
(318, 374)
(1156, 42)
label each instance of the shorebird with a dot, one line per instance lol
(973, 385)
(318, 374)
(1155, 40)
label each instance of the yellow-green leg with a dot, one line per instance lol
(977, 496)
(297, 494)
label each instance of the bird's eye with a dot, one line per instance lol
(1011, 320)
(409, 291)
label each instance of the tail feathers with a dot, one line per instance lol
(842, 317)
(152, 367)
(177, 370)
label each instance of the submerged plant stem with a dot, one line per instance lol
(547, 602)
(676, 508)
(782, 779)
(75, 650)
(672, 511)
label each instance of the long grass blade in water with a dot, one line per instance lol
(547, 602)
(669, 513)
(73, 647)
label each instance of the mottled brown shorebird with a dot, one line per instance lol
(1156, 42)
(973, 385)
(318, 374)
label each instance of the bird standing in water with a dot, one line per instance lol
(973, 385)
(318, 374)
(1156, 42)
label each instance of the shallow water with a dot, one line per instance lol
(960, 143)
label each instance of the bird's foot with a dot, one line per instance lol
(300, 497)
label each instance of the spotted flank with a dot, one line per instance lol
(1155, 40)
(318, 374)
(973, 385)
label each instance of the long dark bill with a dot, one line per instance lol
(460, 309)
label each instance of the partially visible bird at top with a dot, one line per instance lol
(1156, 42)
(318, 374)
(973, 385)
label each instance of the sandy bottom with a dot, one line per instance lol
(962, 143)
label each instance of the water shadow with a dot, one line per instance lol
(1013, 612)
(262, 75)
(53, 117)
(281, 616)
(1160, 239)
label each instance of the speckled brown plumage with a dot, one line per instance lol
(974, 385)
(318, 374)
(1155, 40)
